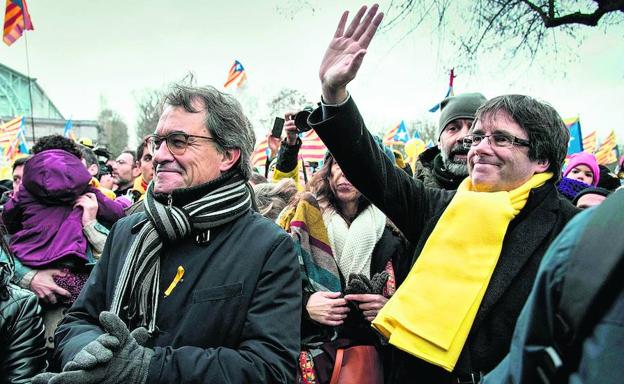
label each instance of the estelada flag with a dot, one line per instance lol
(16, 21)
(236, 72)
(576, 137)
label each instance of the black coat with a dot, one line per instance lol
(416, 210)
(22, 340)
(234, 318)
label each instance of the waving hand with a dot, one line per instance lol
(346, 51)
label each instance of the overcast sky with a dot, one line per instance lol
(90, 54)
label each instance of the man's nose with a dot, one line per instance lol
(162, 154)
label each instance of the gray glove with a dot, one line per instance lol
(115, 357)
(359, 283)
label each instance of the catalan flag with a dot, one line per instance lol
(68, 131)
(450, 91)
(9, 131)
(606, 153)
(397, 135)
(312, 148)
(13, 137)
(260, 153)
(576, 137)
(16, 21)
(237, 72)
(589, 143)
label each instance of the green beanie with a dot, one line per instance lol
(463, 106)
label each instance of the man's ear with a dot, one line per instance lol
(93, 169)
(136, 170)
(542, 166)
(230, 157)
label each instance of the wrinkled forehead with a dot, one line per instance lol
(178, 119)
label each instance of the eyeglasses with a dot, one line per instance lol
(500, 140)
(177, 142)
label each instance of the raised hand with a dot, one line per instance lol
(346, 51)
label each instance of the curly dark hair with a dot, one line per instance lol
(57, 142)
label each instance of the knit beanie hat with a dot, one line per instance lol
(591, 191)
(583, 158)
(463, 106)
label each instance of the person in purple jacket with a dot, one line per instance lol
(50, 220)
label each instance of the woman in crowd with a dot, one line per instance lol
(272, 198)
(349, 252)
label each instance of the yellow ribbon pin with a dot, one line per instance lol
(175, 281)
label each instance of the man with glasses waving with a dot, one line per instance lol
(478, 248)
(198, 287)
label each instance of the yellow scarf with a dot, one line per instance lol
(432, 312)
(140, 186)
(107, 192)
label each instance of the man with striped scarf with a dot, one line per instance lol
(197, 287)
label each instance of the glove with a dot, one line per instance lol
(113, 358)
(360, 284)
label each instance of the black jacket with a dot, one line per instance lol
(22, 340)
(234, 318)
(431, 171)
(416, 210)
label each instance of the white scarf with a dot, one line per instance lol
(353, 245)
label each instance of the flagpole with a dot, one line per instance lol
(32, 119)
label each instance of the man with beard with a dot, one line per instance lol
(125, 170)
(444, 166)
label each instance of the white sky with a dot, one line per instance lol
(84, 52)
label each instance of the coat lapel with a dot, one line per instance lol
(519, 246)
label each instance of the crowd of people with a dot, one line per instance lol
(179, 262)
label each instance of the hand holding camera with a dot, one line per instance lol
(290, 128)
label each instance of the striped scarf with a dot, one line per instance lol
(136, 294)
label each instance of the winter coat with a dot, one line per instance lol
(44, 225)
(22, 341)
(601, 360)
(431, 171)
(233, 318)
(416, 210)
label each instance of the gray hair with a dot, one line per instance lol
(272, 198)
(548, 135)
(225, 120)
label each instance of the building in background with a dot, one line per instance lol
(15, 101)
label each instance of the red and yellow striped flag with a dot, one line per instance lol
(260, 153)
(8, 132)
(16, 21)
(312, 148)
(606, 154)
(589, 143)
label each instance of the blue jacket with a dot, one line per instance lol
(602, 358)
